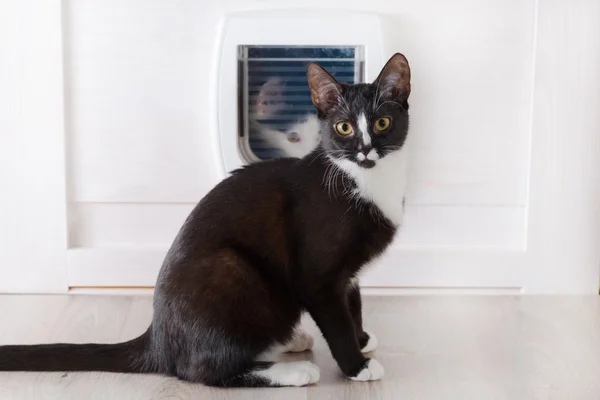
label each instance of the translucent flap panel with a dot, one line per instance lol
(277, 117)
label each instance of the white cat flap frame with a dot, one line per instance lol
(290, 27)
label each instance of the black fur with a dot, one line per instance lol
(119, 357)
(271, 241)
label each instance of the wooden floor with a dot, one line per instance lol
(431, 347)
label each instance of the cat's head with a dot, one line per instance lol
(270, 100)
(362, 123)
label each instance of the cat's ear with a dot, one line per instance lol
(393, 81)
(270, 99)
(325, 91)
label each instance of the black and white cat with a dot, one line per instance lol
(273, 240)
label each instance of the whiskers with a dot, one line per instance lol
(344, 106)
(338, 182)
(341, 154)
(377, 97)
(385, 102)
(380, 95)
(332, 172)
(390, 148)
(335, 176)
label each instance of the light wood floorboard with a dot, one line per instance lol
(432, 347)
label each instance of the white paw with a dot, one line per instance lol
(371, 344)
(301, 341)
(371, 372)
(298, 373)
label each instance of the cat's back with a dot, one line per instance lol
(256, 181)
(252, 199)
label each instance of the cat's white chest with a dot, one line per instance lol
(384, 185)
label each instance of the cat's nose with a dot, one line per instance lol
(365, 149)
(371, 154)
(293, 137)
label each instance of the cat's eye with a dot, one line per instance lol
(383, 123)
(343, 128)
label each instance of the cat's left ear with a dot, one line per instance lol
(393, 81)
(325, 91)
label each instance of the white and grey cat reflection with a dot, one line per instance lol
(297, 139)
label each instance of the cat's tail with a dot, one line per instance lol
(128, 356)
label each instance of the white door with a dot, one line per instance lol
(505, 133)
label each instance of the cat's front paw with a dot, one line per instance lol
(368, 342)
(372, 371)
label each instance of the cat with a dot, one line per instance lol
(273, 240)
(295, 140)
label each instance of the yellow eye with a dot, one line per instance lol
(343, 128)
(382, 123)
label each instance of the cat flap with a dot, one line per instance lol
(277, 113)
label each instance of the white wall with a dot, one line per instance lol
(504, 130)
(32, 161)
